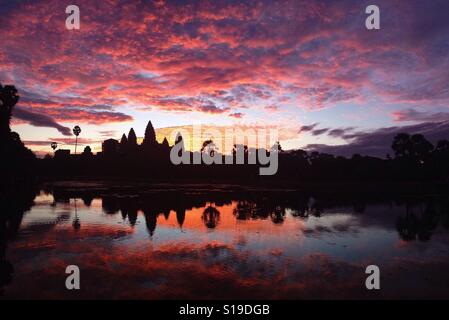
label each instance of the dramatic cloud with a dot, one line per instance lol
(378, 142)
(40, 120)
(217, 57)
(269, 50)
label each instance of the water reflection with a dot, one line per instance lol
(76, 220)
(249, 243)
(420, 220)
(210, 217)
(13, 204)
(272, 206)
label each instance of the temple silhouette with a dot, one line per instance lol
(415, 160)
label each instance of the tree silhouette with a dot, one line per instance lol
(13, 205)
(8, 99)
(421, 147)
(17, 160)
(415, 146)
(15, 138)
(87, 151)
(210, 217)
(276, 147)
(442, 146)
(76, 132)
(402, 145)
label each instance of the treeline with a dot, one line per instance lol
(415, 159)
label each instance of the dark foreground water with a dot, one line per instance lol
(207, 242)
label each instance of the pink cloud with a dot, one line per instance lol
(178, 57)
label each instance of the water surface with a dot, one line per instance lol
(204, 242)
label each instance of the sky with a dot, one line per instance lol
(309, 68)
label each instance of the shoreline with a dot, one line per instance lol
(208, 185)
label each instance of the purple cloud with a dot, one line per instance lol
(40, 120)
(377, 143)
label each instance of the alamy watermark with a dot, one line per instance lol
(73, 21)
(372, 22)
(227, 146)
(72, 282)
(373, 280)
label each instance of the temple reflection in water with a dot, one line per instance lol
(236, 243)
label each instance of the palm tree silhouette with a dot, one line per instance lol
(76, 221)
(76, 132)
